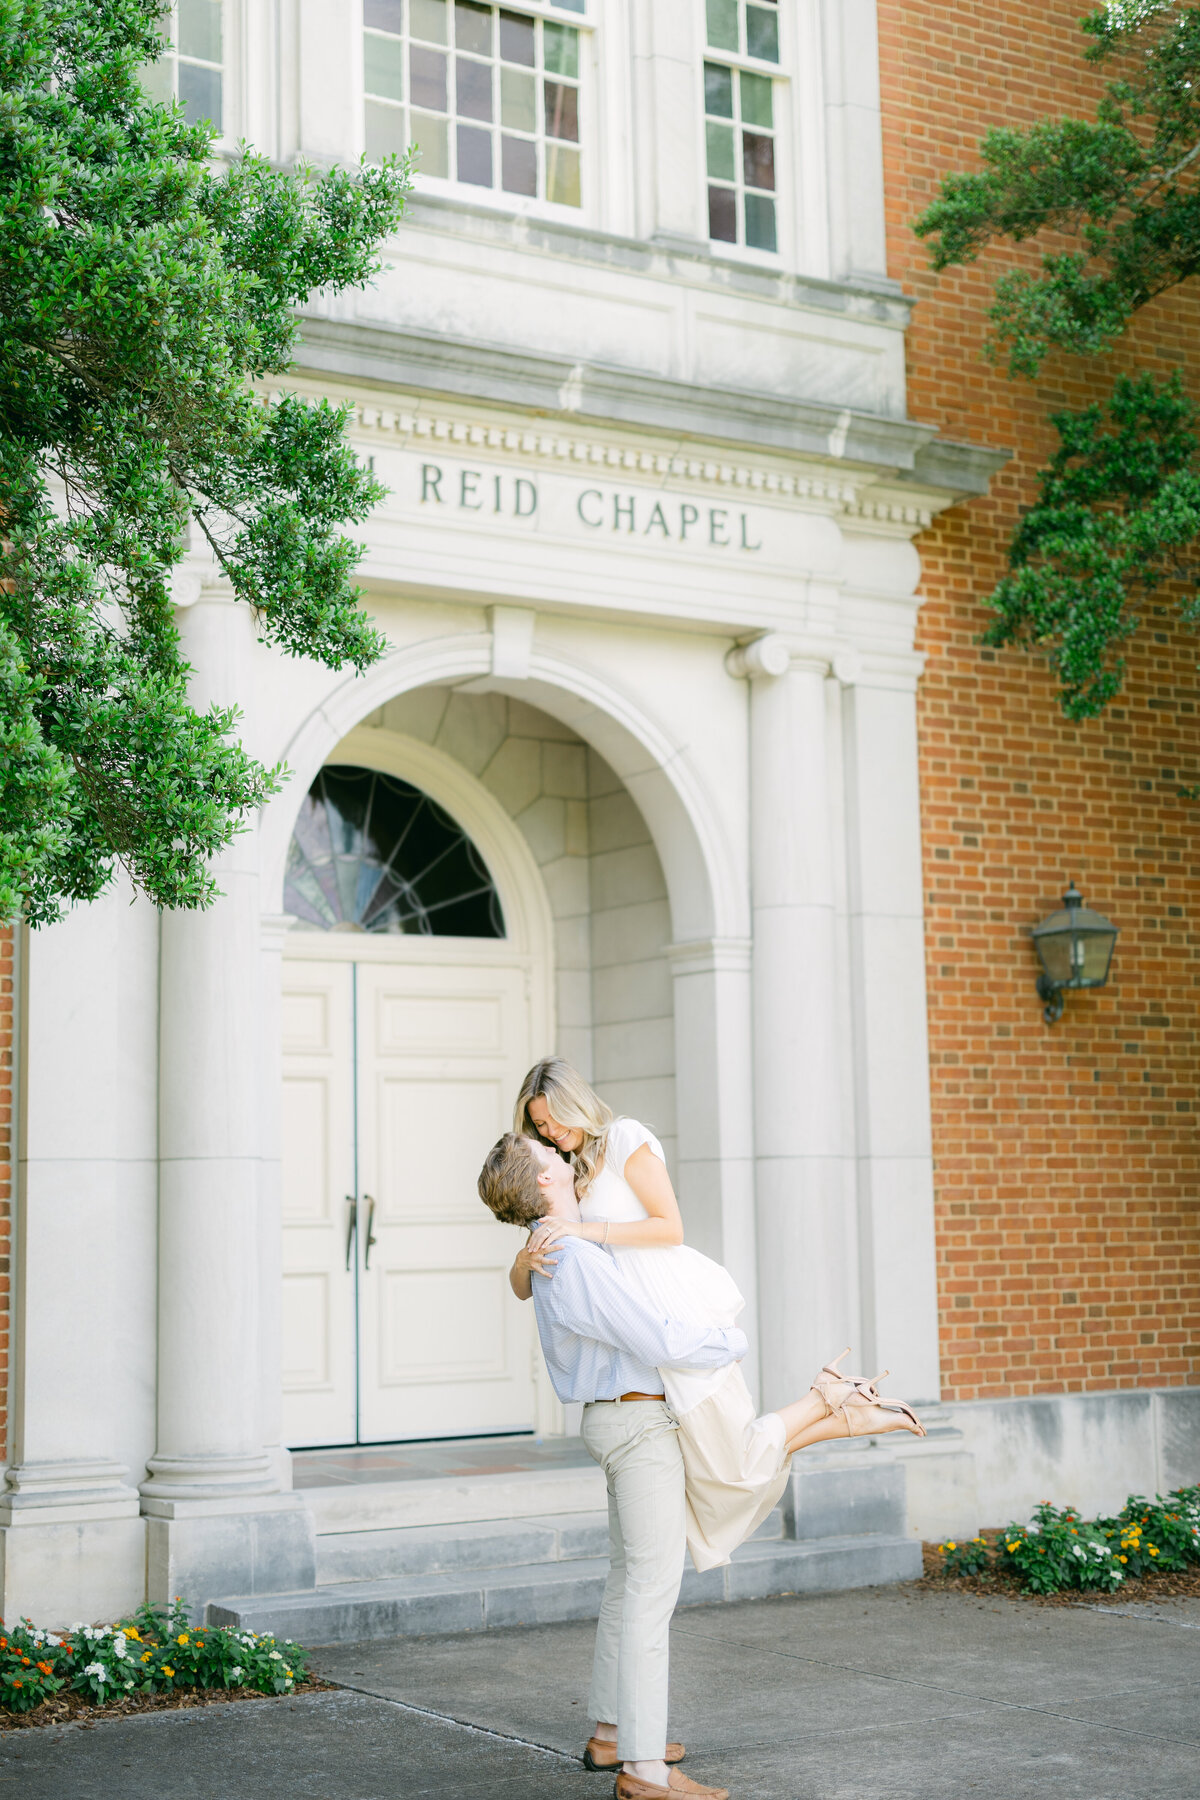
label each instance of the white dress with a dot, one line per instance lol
(736, 1465)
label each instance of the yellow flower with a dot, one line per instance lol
(952, 1546)
(167, 1669)
(131, 1631)
(146, 1656)
(1010, 1548)
(182, 1638)
(287, 1672)
(1153, 1551)
(1123, 1559)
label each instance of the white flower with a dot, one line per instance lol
(119, 1650)
(98, 1670)
(236, 1674)
(275, 1656)
(72, 1629)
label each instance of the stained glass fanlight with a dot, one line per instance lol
(373, 853)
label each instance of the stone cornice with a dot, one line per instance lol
(553, 388)
(884, 502)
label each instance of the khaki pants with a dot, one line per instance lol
(636, 1444)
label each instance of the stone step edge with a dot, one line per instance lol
(454, 1500)
(546, 1593)
(513, 1543)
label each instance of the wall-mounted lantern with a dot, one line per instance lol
(1075, 948)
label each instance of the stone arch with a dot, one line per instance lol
(705, 896)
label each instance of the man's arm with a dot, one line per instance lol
(589, 1297)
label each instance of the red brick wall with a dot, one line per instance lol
(1065, 1157)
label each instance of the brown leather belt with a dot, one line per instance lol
(641, 1396)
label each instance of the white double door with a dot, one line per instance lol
(398, 1320)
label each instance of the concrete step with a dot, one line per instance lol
(441, 1549)
(464, 1599)
(486, 1544)
(454, 1499)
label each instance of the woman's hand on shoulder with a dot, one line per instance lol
(549, 1231)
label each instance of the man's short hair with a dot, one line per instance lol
(508, 1182)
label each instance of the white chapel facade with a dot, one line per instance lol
(635, 782)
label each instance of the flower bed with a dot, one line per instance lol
(154, 1653)
(1060, 1551)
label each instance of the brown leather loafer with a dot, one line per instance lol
(601, 1756)
(630, 1788)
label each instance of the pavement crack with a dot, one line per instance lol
(431, 1712)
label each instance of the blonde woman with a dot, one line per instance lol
(736, 1464)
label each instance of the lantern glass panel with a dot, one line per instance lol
(1054, 948)
(1093, 954)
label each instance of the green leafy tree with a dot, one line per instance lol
(143, 293)
(1118, 509)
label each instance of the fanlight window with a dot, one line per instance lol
(373, 853)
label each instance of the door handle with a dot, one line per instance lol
(371, 1238)
(351, 1227)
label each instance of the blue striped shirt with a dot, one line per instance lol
(601, 1340)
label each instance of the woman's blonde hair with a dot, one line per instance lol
(571, 1102)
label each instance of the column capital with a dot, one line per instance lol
(767, 655)
(773, 655)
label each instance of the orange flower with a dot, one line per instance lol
(46, 1668)
(18, 1684)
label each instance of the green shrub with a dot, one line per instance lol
(157, 1651)
(1058, 1550)
(1149, 1536)
(969, 1558)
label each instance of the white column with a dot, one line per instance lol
(325, 65)
(891, 1048)
(81, 1395)
(714, 1106)
(219, 1523)
(669, 120)
(807, 1249)
(853, 139)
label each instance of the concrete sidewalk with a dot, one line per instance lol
(881, 1694)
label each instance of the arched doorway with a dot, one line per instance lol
(410, 1011)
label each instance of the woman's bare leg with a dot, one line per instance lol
(801, 1414)
(834, 1426)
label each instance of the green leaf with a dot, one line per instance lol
(145, 294)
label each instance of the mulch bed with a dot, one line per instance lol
(74, 1709)
(1182, 1586)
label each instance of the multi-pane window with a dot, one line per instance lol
(747, 27)
(739, 124)
(490, 96)
(190, 67)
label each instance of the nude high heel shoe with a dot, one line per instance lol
(859, 1423)
(838, 1390)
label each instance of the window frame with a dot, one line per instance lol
(783, 101)
(227, 138)
(496, 199)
